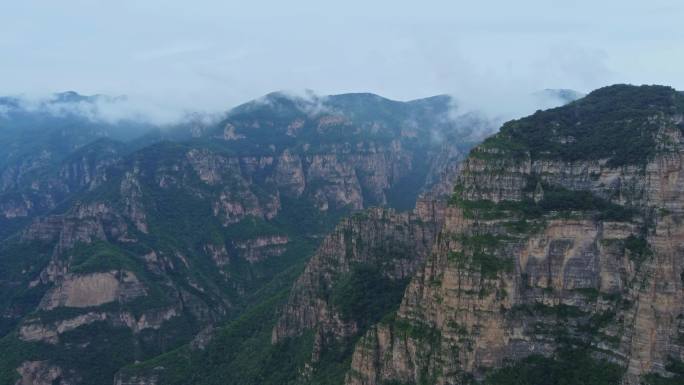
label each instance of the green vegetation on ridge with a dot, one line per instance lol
(556, 199)
(614, 123)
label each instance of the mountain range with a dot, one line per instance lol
(123, 240)
(346, 239)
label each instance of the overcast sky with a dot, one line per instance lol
(211, 55)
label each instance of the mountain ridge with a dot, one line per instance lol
(155, 244)
(535, 274)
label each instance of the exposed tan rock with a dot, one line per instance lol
(398, 242)
(93, 290)
(40, 373)
(289, 173)
(152, 319)
(218, 254)
(131, 191)
(37, 331)
(209, 167)
(260, 248)
(84, 223)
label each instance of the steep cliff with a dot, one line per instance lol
(560, 256)
(356, 277)
(394, 244)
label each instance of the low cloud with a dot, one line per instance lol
(111, 110)
(310, 102)
(307, 101)
(500, 107)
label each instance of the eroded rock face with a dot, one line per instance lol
(32, 188)
(396, 243)
(40, 373)
(336, 177)
(218, 254)
(260, 248)
(132, 195)
(289, 173)
(232, 206)
(85, 223)
(497, 288)
(93, 290)
(37, 330)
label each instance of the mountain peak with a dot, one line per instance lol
(627, 96)
(617, 123)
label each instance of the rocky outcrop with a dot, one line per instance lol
(131, 194)
(28, 191)
(218, 254)
(289, 173)
(41, 373)
(93, 290)
(234, 206)
(37, 330)
(395, 243)
(85, 223)
(260, 248)
(343, 179)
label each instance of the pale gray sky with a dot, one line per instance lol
(211, 55)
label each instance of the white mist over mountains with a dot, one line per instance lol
(172, 57)
(105, 108)
(118, 109)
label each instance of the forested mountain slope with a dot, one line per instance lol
(160, 240)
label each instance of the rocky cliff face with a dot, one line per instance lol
(394, 243)
(55, 149)
(40, 373)
(38, 191)
(550, 247)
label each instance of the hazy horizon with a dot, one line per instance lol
(173, 56)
